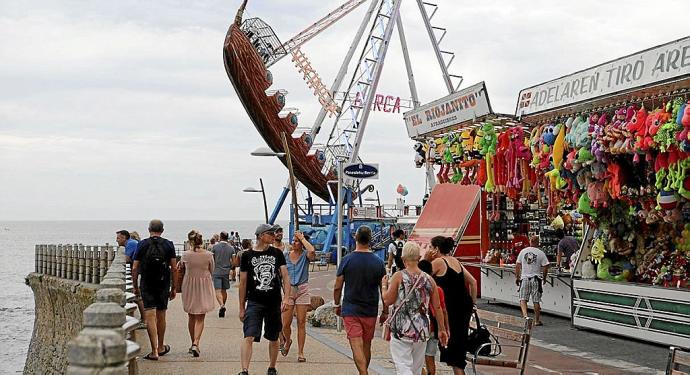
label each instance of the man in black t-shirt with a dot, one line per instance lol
(156, 262)
(263, 273)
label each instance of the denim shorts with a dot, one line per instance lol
(431, 346)
(221, 282)
(257, 315)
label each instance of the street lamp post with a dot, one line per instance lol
(263, 194)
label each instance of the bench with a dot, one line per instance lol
(320, 261)
(677, 358)
(518, 337)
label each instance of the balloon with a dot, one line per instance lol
(401, 190)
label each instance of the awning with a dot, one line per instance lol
(447, 213)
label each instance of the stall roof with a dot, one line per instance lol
(447, 212)
(500, 120)
(663, 71)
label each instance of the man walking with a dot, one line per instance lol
(278, 243)
(262, 274)
(530, 272)
(395, 262)
(156, 262)
(361, 272)
(222, 256)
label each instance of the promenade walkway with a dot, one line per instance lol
(328, 352)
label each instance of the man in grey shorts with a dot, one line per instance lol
(531, 269)
(222, 255)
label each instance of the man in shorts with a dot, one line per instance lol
(262, 275)
(361, 273)
(222, 256)
(531, 269)
(155, 260)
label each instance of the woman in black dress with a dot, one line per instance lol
(460, 289)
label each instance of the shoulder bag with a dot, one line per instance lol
(386, 334)
(480, 336)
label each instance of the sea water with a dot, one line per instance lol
(17, 244)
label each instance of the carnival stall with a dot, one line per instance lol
(495, 152)
(620, 156)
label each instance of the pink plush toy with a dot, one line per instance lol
(597, 194)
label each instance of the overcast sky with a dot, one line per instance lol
(122, 109)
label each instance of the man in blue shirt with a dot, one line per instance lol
(124, 239)
(361, 272)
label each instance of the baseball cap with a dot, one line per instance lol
(263, 228)
(277, 228)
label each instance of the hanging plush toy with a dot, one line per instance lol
(420, 155)
(458, 156)
(683, 119)
(488, 144)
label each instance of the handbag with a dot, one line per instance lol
(386, 334)
(480, 336)
(179, 276)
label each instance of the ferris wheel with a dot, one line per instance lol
(251, 47)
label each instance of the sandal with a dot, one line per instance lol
(538, 324)
(301, 359)
(166, 350)
(286, 348)
(150, 357)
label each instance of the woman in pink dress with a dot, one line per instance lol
(198, 296)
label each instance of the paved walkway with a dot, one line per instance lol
(220, 349)
(328, 351)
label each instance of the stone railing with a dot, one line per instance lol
(72, 333)
(74, 262)
(102, 345)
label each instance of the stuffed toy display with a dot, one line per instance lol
(626, 168)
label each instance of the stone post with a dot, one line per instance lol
(88, 266)
(39, 257)
(95, 265)
(51, 265)
(100, 348)
(36, 259)
(60, 261)
(70, 262)
(82, 263)
(103, 266)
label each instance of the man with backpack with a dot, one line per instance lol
(395, 262)
(156, 262)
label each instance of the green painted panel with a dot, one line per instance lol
(643, 304)
(609, 316)
(678, 328)
(674, 307)
(601, 297)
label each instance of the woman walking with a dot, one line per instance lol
(198, 295)
(460, 291)
(411, 293)
(297, 260)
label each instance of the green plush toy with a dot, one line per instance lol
(489, 140)
(584, 206)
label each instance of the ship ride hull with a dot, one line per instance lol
(251, 79)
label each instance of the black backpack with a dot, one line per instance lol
(399, 264)
(154, 265)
